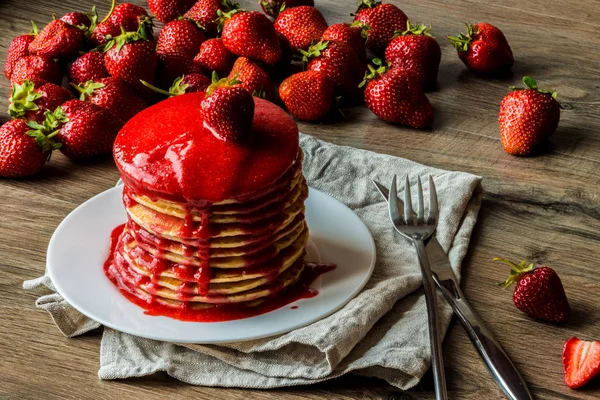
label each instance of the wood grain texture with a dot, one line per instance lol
(545, 207)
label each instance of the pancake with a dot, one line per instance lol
(174, 228)
(131, 278)
(285, 248)
(249, 244)
(212, 222)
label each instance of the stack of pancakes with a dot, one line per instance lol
(209, 222)
(229, 252)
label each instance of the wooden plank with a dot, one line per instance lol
(546, 207)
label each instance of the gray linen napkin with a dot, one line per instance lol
(382, 332)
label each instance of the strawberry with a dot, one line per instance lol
(251, 34)
(539, 292)
(228, 110)
(87, 67)
(307, 95)
(180, 36)
(381, 21)
(189, 83)
(30, 103)
(301, 26)
(205, 12)
(581, 362)
(415, 50)
(131, 57)
(484, 49)
(253, 78)
(339, 62)
(57, 40)
(130, 17)
(84, 129)
(18, 48)
(274, 7)
(169, 10)
(353, 36)
(103, 32)
(173, 65)
(78, 19)
(114, 95)
(396, 95)
(214, 56)
(37, 69)
(23, 151)
(527, 117)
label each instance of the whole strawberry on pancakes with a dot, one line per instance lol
(214, 194)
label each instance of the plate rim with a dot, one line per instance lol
(274, 333)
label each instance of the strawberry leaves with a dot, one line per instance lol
(531, 83)
(23, 98)
(462, 41)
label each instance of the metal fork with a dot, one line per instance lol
(417, 229)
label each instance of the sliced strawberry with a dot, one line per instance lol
(581, 362)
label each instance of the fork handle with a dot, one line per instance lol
(437, 360)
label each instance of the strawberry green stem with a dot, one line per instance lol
(112, 8)
(516, 271)
(34, 29)
(157, 90)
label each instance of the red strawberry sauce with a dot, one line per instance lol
(220, 312)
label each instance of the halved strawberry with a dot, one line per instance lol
(581, 361)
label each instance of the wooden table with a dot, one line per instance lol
(546, 208)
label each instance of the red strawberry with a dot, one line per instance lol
(131, 57)
(307, 95)
(484, 49)
(114, 95)
(351, 35)
(581, 362)
(251, 34)
(415, 50)
(338, 61)
(228, 110)
(23, 151)
(253, 78)
(180, 36)
(85, 129)
(205, 12)
(57, 40)
(103, 32)
(381, 21)
(130, 17)
(169, 10)
(173, 65)
(527, 117)
(396, 95)
(18, 48)
(30, 103)
(77, 19)
(273, 7)
(539, 292)
(190, 83)
(301, 26)
(37, 69)
(88, 67)
(214, 56)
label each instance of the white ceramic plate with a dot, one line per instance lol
(79, 247)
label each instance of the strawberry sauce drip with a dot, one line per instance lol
(127, 281)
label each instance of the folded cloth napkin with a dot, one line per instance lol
(382, 332)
